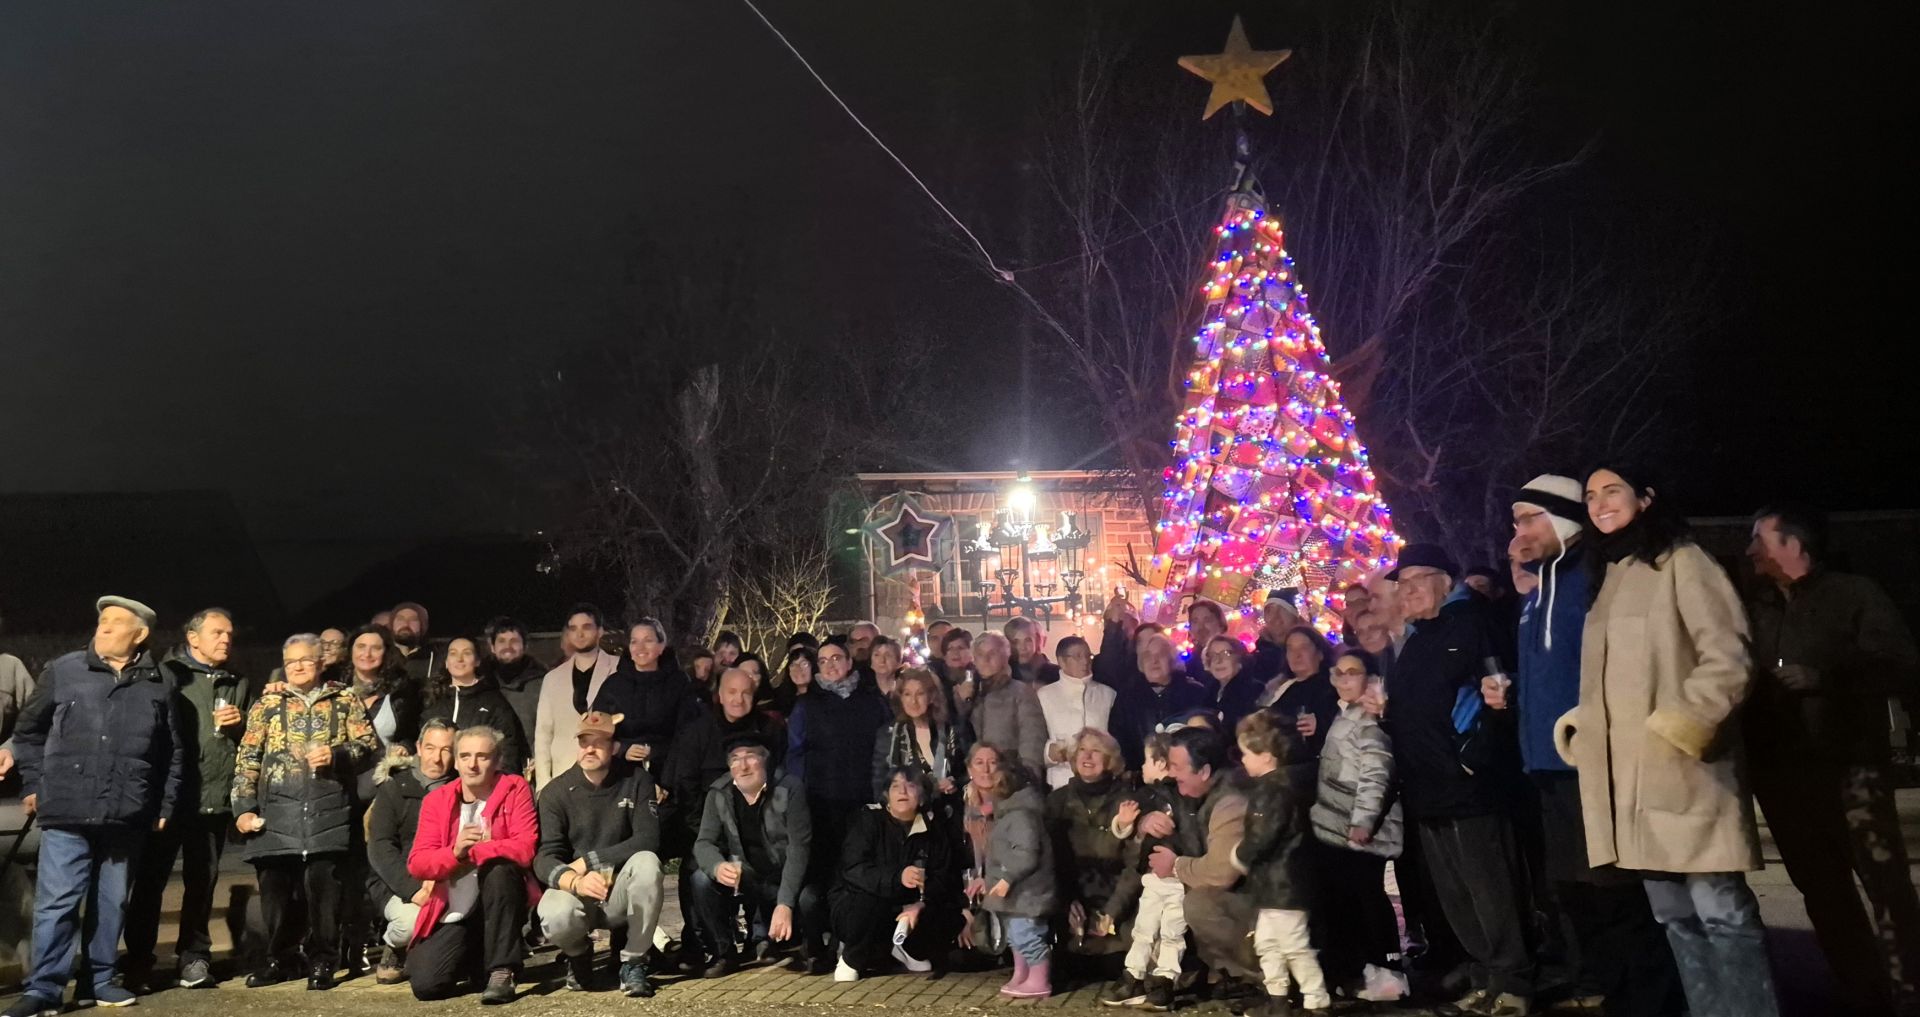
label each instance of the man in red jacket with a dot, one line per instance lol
(476, 843)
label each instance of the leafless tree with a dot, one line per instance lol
(703, 452)
(1476, 335)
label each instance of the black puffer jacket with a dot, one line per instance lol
(652, 706)
(101, 749)
(392, 821)
(483, 702)
(1272, 852)
(1088, 857)
(306, 812)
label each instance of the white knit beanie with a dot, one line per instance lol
(1561, 498)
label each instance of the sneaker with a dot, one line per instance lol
(1466, 1006)
(580, 972)
(1507, 1005)
(32, 1006)
(633, 980)
(196, 974)
(763, 951)
(392, 969)
(1128, 991)
(1159, 995)
(499, 987)
(115, 995)
(844, 972)
(911, 963)
(1382, 985)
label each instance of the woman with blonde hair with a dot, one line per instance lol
(1091, 859)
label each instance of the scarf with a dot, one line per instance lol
(1622, 543)
(842, 688)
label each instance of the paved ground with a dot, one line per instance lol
(758, 992)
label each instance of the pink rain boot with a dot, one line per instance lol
(1019, 975)
(1039, 983)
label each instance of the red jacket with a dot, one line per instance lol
(513, 834)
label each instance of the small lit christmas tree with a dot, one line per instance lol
(1269, 487)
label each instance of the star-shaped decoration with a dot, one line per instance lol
(1237, 74)
(906, 541)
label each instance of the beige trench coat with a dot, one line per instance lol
(1664, 667)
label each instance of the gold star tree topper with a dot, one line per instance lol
(1237, 74)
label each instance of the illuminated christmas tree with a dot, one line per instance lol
(1269, 487)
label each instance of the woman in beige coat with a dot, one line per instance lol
(1664, 668)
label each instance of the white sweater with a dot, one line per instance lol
(1072, 705)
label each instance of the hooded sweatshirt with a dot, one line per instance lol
(1547, 682)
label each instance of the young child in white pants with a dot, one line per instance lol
(1160, 919)
(1273, 854)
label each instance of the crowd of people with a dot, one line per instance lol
(1560, 774)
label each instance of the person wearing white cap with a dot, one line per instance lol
(102, 778)
(1624, 961)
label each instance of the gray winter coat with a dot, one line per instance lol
(789, 834)
(1356, 781)
(1021, 853)
(1007, 713)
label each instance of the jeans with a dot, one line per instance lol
(633, 904)
(1713, 924)
(88, 867)
(1159, 929)
(1028, 937)
(198, 840)
(1280, 939)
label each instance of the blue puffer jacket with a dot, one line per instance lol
(1547, 682)
(101, 749)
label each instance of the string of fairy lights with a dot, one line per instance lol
(1269, 487)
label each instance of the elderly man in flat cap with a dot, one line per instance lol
(100, 757)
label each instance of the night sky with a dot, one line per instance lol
(314, 254)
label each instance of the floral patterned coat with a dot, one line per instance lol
(306, 811)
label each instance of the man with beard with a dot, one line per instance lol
(518, 674)
(409, 627)
(600, 858)
(212, 705)
(568, 691)
(392, 820)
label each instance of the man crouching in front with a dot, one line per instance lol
(476, 843)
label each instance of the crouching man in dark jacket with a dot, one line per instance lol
(392, 820)
(755, 842)
(100, 758)
(599, 858)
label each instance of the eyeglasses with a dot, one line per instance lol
(332, 644)
(827, 657)
(292, 662)
(1220, 655)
